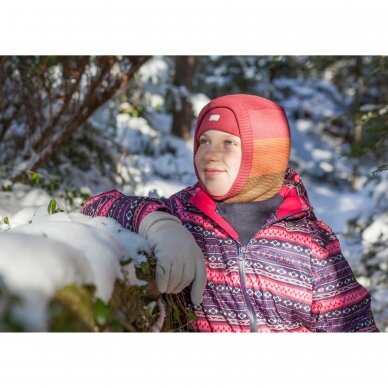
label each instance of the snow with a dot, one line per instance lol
(377, 231)
(155, 70)
(21, 196)
(34, 267)
(42, 253)
(198, 101)
(133, 133)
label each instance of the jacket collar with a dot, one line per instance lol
(295, 203)
(202, 201)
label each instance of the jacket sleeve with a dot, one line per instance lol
(129, 211)
(339, 302)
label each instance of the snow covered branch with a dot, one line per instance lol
(54, 96)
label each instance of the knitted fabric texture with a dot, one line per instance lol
(263, 129)
(247, 218)
(221, 119)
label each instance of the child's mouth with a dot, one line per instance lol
(213, 172)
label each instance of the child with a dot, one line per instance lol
(268, 264)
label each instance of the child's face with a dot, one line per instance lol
(218, 160)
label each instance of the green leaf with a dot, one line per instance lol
(53, 207)
(35, 178)
(145, 267)
(191, 316)
(176, 313)
(6, 221)
(101, 312)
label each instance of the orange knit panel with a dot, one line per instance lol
(259, 188)
(270, 156)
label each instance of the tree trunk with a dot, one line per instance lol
(183, 111)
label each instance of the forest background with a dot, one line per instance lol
(73, 126)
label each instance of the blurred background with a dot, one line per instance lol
(74, 126)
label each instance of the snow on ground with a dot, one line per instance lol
(21, 196)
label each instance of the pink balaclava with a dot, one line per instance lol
(263, 129)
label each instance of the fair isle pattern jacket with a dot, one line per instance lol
(290, 277)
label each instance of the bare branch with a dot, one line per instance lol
(73, 113)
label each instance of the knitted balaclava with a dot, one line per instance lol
(265, 141)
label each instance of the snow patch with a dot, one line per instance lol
(42, 253)
(34, 268)
(377, 231)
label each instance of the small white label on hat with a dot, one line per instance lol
(214, 117)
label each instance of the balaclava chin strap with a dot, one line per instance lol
(265, 141)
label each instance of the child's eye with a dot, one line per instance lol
(203, 141)
(231, 142)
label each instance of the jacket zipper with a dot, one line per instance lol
(241, 266)
(250, 309)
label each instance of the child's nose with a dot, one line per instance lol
(213, 153)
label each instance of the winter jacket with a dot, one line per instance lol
(290, 277)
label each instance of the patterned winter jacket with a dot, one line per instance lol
(290, 277)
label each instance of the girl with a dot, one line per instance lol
(244, 242)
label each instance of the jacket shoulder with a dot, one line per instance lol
(185, 195)
(324, 242)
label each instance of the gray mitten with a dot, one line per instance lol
(180, 261)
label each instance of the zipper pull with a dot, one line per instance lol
(241, 251)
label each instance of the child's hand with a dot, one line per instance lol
(179, 259)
